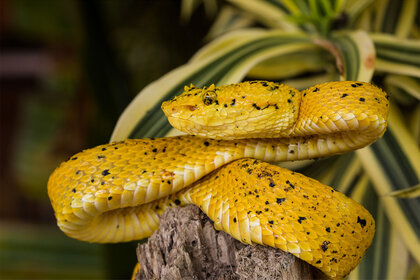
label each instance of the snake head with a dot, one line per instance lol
(242, 110)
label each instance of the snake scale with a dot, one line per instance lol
(117, 192)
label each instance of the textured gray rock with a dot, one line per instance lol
(187, 246)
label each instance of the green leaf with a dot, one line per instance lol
(395, 17)
(356, 55)
(229, 19)
(270, 13)
(387, 258)
(398, 56)
(290, 65)
(404, 89)
(406, 18)
(188, 7)
(413, 192)
(392, 165)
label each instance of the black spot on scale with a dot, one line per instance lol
(289, 101)
(301, 219)
(280, 200)
(362, 99)
(290, 184)
(266, 202)
(328, 229)
(234, 220)
(318, 262)
(105, 172)
(103, 149)
(344, 95)
(355, 85)
(206, 143)
(109, 197)
(362, 222)
(177, 201)
(154, 150)
(271, 222)
(74, 158)
(233, 102)
(316, 90)
(74, 190)
(272, 184)
(101, 157)
(324, 245)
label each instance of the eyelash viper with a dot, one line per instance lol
(116, 192)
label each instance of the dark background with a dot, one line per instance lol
(67, 71)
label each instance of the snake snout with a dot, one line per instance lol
(179, 110)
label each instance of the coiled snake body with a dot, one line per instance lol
(116, 192)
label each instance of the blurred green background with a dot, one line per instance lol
(67, 70)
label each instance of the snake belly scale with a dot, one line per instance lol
(116, 192)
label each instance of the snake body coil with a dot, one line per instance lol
(116, 192)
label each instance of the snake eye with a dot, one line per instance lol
(209, 97)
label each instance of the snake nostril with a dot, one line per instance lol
(191, 108)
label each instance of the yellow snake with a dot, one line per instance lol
(116, 192)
